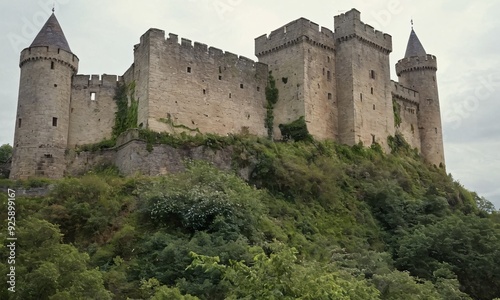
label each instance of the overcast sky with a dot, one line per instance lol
(462, 34)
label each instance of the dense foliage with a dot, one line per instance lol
(5, 152)
(315, 220)
(295, 131)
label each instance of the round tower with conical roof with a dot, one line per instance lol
(42, 123)
(417, 70)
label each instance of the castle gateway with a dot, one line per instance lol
(339, 81)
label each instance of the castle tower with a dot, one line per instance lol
(363, 81)
(42, 123)
(301, 57)
(417, 70)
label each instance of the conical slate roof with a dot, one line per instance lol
(51, 34)
(414, 47)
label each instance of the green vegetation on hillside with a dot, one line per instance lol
(315, 221)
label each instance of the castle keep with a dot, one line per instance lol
(339, 81)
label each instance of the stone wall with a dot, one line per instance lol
(193, 86)
(82, 162)
(301, 57)
(408, 101)
(289, 76)
(92, 110)
(133, 158)
(363, 82)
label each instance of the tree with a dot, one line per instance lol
(5, 152)
(51, 270)
(281, 276)
(468, 246)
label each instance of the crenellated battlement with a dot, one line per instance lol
(403, 93)
(49, 53)
(196, 49)
(97, 81)
(408, 64)
(293, 33)
(349, 26)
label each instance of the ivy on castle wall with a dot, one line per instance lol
(396, 107)
(126, 113)
(170, 122)
(272, 94)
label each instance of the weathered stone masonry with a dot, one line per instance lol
(338, 80)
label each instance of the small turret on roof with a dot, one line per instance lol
(51, 34)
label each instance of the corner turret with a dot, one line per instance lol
(417, 71)
(42, 123)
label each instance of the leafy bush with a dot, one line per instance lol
(281, 275)
(296, 130)
(203, 198)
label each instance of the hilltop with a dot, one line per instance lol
(312, 220)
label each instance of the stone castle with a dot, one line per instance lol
(339, 81)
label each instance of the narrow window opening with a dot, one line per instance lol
(258, 88)
(323, 71)
(52, 65)
(328, 58)
(19, 122)
(189, 69)
(55, 85)
(241, 85)
(372, 74)
(361, 97)
(220, 69)
(433, 78)
(54, 122)
(204, 92)
(92, 96)
(229, 95)
(220, 77)
(371, 90)
(329, 96)
(436, 130)
(328, 75)
(373, 106)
